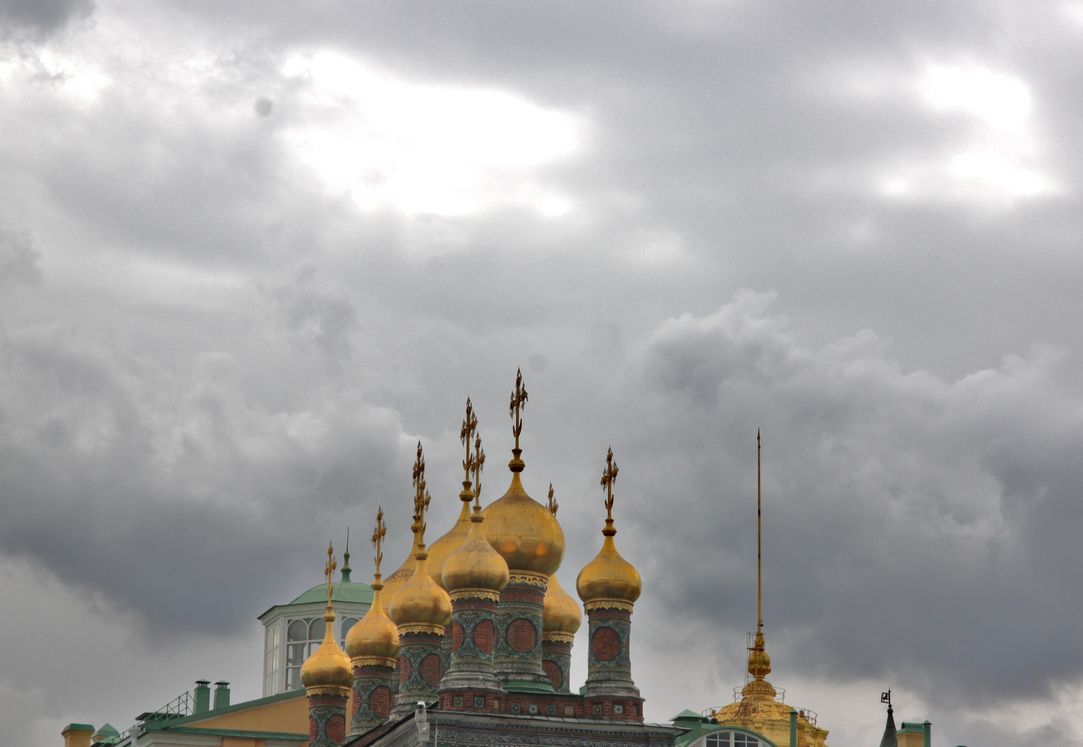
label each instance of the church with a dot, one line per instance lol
(467, 642)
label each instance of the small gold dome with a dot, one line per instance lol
(524, 532)
(420, 601)
(609, 577)
(328, 667)
(475, 565)
(449, 543)
(374, 636)
(560, 613)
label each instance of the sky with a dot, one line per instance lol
(252, 252)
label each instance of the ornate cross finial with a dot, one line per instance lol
(466, 436)
(328, 571)
(609, 476)
(551, 502)
(378, 539)
(515, 409)
(421, 495)
(479, 465)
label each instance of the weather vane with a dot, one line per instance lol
(515, 409)
(378, 539)
(551, 502)
(421, 496)
(609, 476)
(329, 569)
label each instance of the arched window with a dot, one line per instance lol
(303, 637)
(347, 623)
(730, 738)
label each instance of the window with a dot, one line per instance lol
(347, 623)
(303, 637)
(732, 739)
(272, 655)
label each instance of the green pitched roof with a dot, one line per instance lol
(686, 715)
(342, 591)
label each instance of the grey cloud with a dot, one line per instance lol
(916, 505)
(177, 483)
(41, 17)
(18, 258)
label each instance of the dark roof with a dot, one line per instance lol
(889, 739)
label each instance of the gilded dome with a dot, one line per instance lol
(450, 542)
(475, 564)
(524, 532)
(560, 613)
(328, 667)
(609, 577)
(420, 601)
(374, 636)
(400, 576)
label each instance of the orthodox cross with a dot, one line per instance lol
(378, 539)
(466, 436)
(551, 502)
(609, 476)
(518, 404)
(421, 495)
(329, 569)
(479, 465)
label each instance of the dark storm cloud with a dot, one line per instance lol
(40, 17)
(214, 359)
(914, 505)
(178, 483)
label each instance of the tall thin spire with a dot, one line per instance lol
(759, 663)
(759, 537)
(346, 570)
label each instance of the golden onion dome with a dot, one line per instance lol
(475, 565)
(450, 542)
(374, 636)
(328, 667)
(524, 532)
(401, 575)
(420, 602)
(560, 613)
(609, 577)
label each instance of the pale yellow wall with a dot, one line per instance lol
(239, 742)
(911, 739)
(76, 738)
(284, 716)
(290, 715)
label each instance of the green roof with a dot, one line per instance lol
(687, 715)
(343, 591)
(697, 726)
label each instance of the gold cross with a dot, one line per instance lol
(553, 506)
(479, 465)
(466, 436)
(609, 476)
(378, 538)
(518, 404)
(421, 496)
(329, 569)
